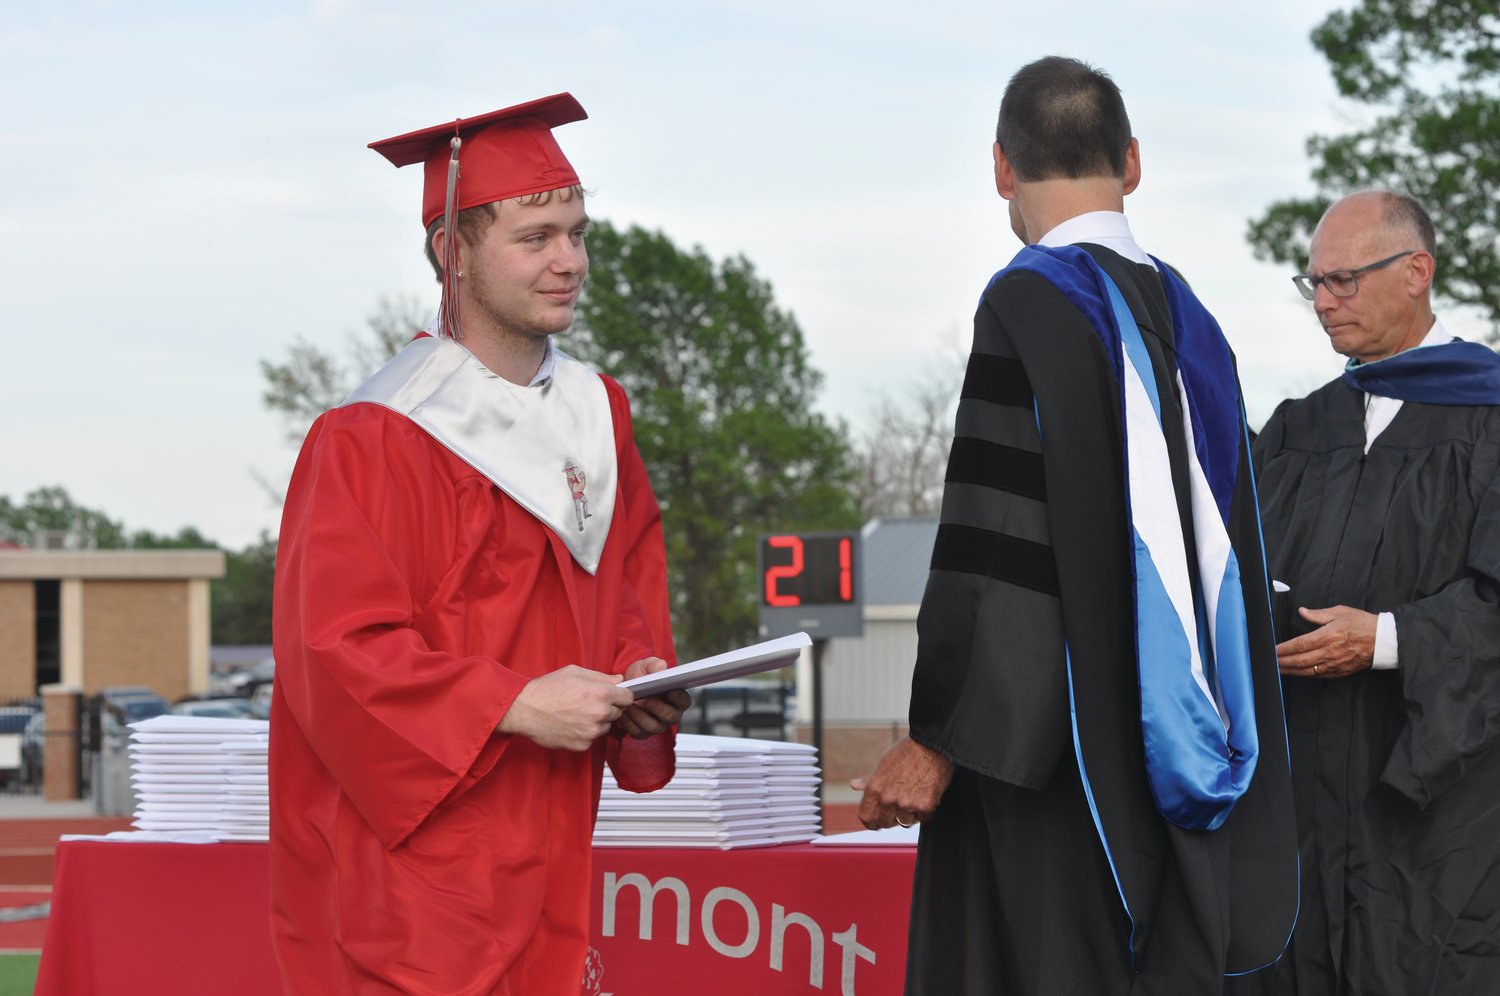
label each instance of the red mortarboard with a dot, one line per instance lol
(506, 153)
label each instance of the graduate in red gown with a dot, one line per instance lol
(470, 562)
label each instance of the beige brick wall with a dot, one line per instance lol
(851, 750)
(17, 639)
(60, 749)
(136, 633)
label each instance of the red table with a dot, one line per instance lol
(186, 919)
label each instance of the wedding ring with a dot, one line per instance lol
(900, 824)
(1315, 669)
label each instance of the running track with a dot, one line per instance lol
(26, 848)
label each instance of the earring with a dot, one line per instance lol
(460, 274)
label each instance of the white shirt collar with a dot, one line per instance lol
(1436, 336)
(1102, 228)
(549, 363)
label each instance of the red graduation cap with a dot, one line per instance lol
(502, 154)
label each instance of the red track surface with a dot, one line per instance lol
(841, 818)
(26, 848)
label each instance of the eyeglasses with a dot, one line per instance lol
(1341, 283)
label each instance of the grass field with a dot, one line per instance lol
(18, 974)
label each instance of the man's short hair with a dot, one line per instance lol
(1062, 119)
(473, 222)
(1404, 212)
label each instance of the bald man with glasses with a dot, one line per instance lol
(1380, 497)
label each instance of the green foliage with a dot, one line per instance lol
(242, 600)
(722, 395)
(1433, 70)
(186, 538)
(52, 510)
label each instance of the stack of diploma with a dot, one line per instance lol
(728, 792)
(198, 775)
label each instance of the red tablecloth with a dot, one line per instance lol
(185, 919)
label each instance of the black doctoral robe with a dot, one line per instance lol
(1013, 891)
(1396, 774)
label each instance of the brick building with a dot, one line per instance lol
(96, 618)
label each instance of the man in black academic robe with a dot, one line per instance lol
(1380, 494)
(1044, 865)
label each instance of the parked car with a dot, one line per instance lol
(740, 708)
(245, 681)
(115, 693)
(260, 702)
(132, 707)
(13, 720)
(228, 708)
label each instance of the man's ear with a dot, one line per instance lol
(1132, 165)
(1005, 175)
(1420, 269)
(440, 243)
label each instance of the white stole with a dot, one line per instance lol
(550, 447)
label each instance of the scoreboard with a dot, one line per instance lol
(810, 582)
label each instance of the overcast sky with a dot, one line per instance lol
(187, 190)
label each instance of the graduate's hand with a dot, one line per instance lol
(905, 787)
(568, 709)
(656, 713)
(1343, 644)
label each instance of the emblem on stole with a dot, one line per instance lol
(576, 484)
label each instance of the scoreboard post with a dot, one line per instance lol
(809, 582)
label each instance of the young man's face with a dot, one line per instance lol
(525, 275)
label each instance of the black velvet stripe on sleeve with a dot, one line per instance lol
(968, 550)
(995, 465)
(1000, 380)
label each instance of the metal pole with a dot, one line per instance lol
(818, 647)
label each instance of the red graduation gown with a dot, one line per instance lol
(413, 848)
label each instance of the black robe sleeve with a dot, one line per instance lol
(1449, 659)
(989, 690)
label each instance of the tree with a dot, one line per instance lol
(310, 381)
(722, 397)
(51, 510)
(242, 599)
(902, 454)
(186, 538)
(1433, 68)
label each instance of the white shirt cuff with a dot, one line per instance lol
(1385, 642)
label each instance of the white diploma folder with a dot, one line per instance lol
(767, 656)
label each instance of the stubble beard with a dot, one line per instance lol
(514, 324)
